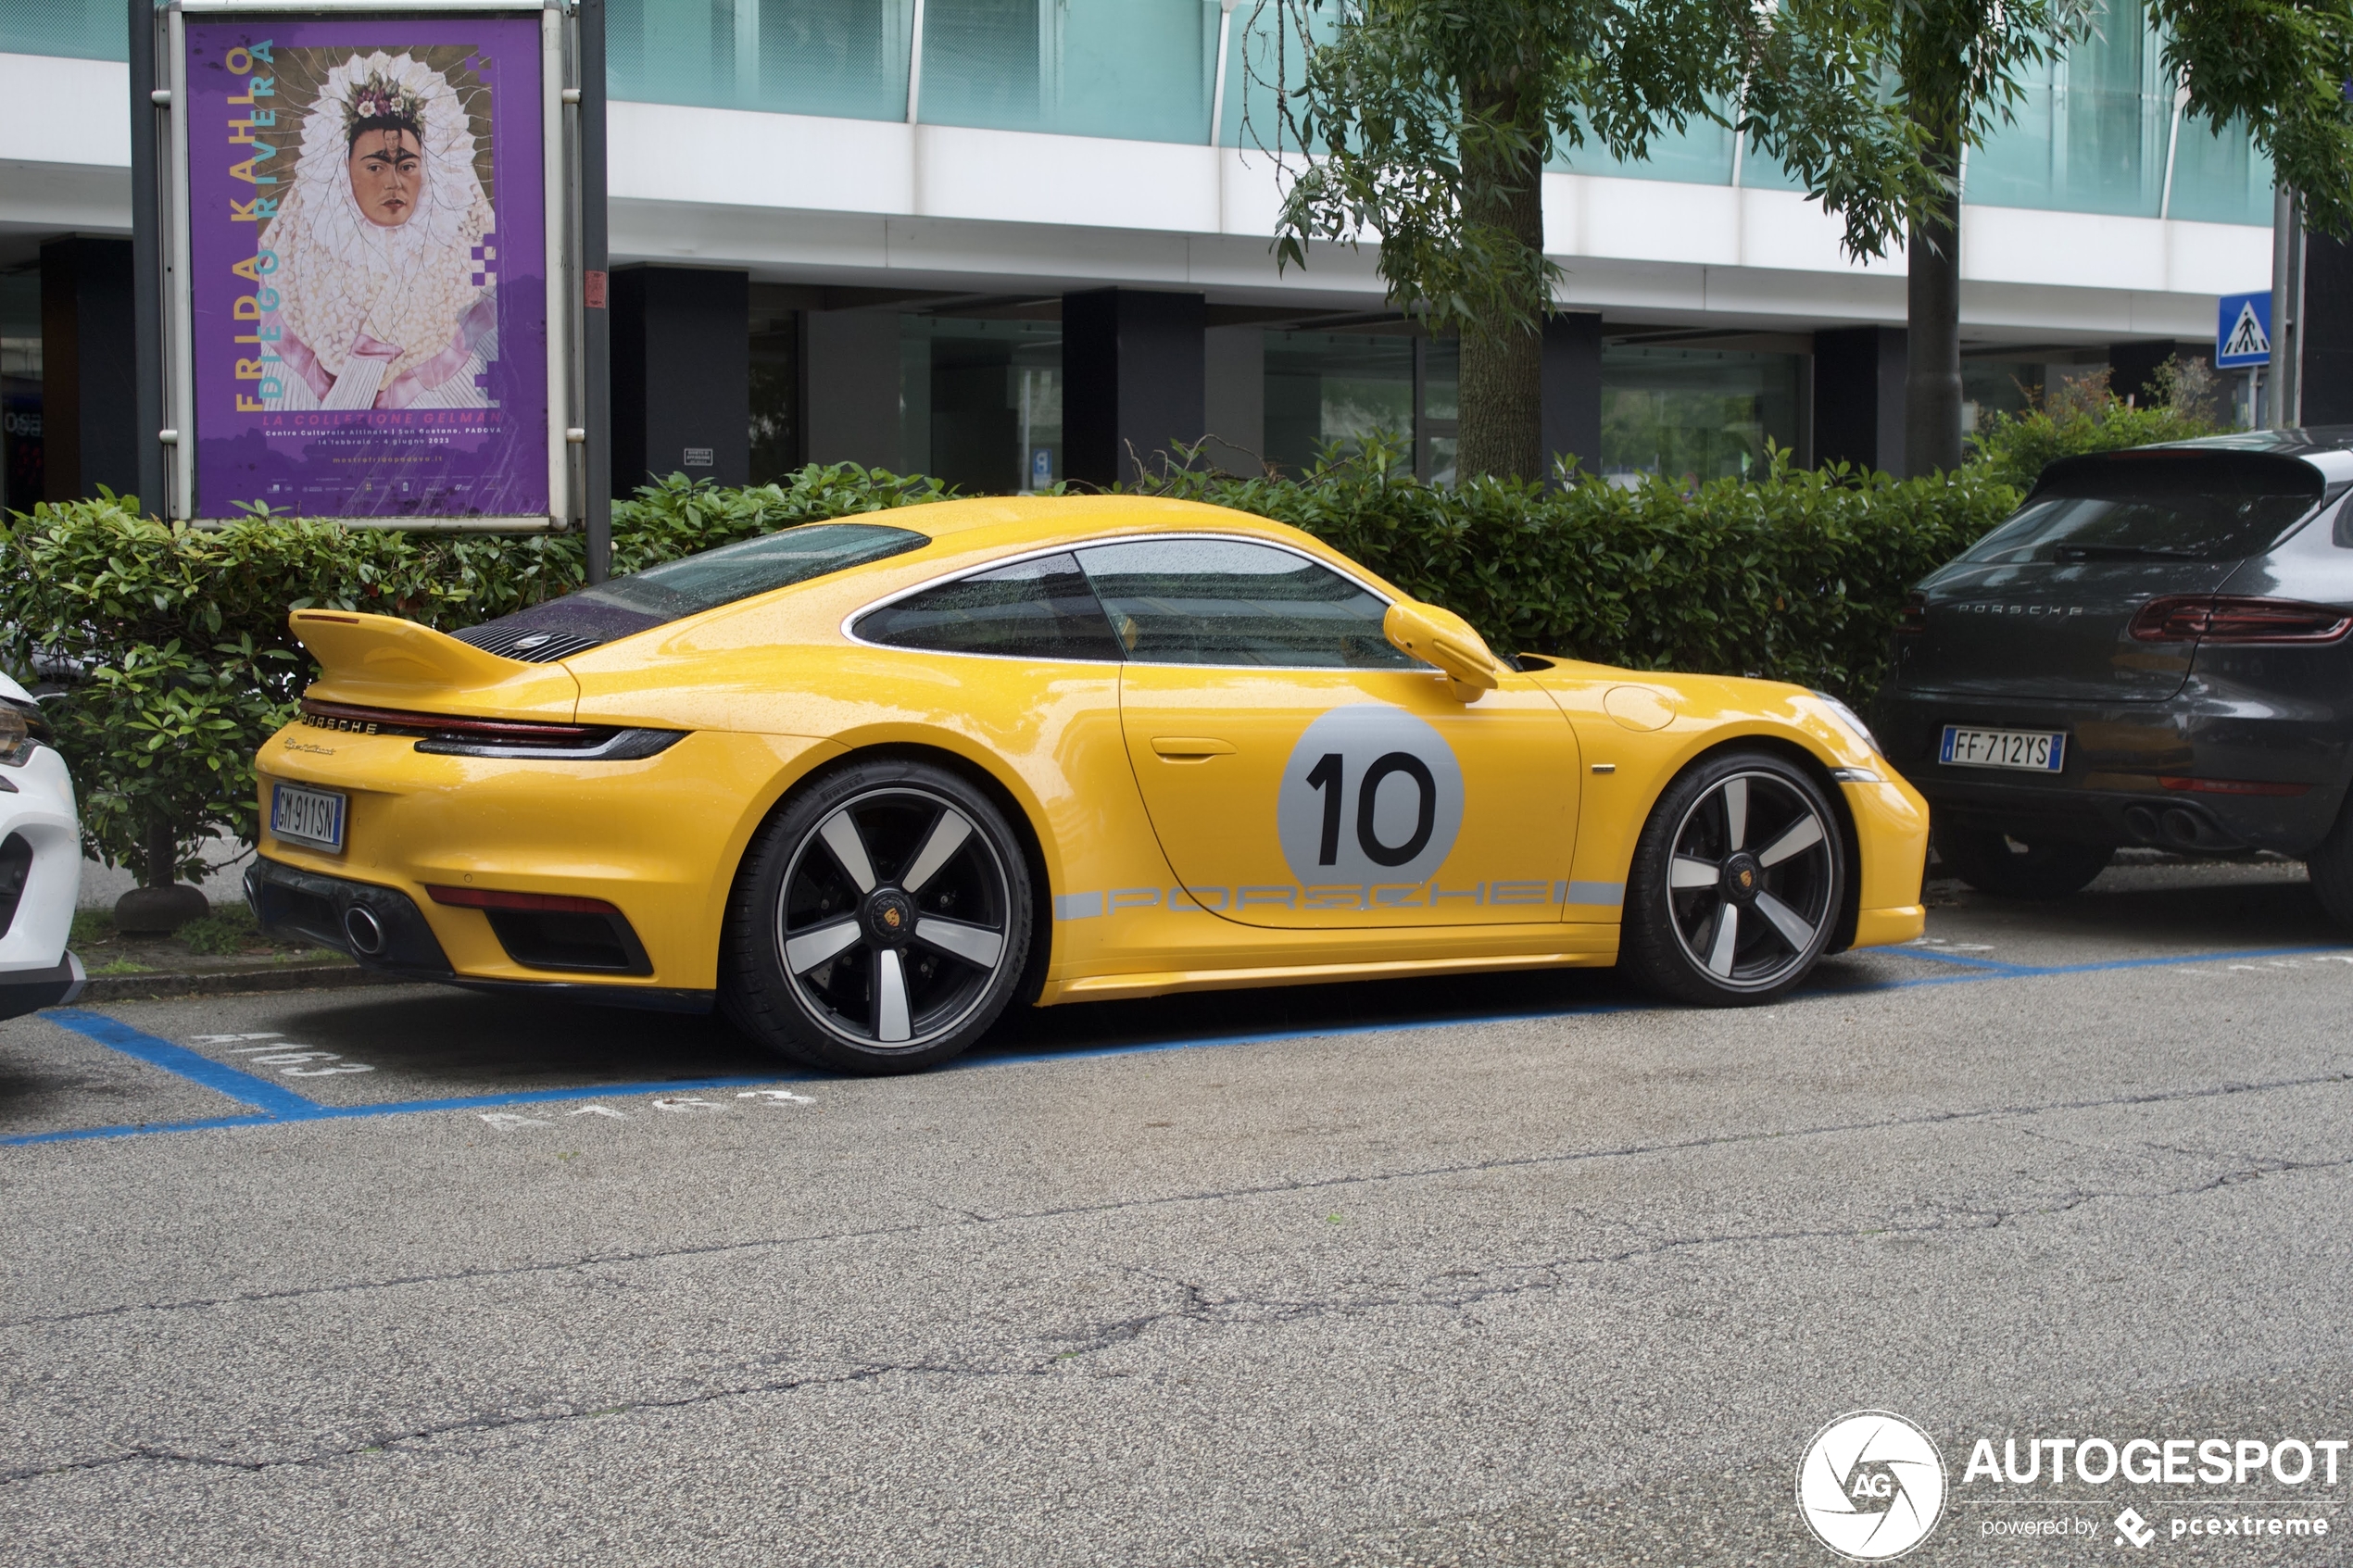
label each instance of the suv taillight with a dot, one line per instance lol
(1912, 620)
(2224, 618)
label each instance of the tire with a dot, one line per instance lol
(880, 924)
(1737, 883)
(2010, 867)
(2331, 868)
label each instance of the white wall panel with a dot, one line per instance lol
(54, 111)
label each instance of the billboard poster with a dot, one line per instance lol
(367, 250)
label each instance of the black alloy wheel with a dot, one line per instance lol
(1737, 883)
(2000, 863)
(881, 922)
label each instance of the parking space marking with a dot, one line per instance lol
(276, 1104)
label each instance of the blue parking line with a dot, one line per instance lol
(278, 1105)
(281, 1102)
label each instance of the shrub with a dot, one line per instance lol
(2085, 415)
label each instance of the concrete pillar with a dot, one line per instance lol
(89, 381)
(1858, 397)
(850, 389)
(2328, 332)
(1133, 365)
(681, 375)
(1572, 392)
(1234, 399)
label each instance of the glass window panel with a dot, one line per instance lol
(1689, 415)
(1138, 69)
(1700, 153)
(842, 57)
(2089, 133)
(1335, 390)
(81, 29)
(1267, 59)
(2221, 177)
(981, 402)
(1222, 601)
(1032, 609)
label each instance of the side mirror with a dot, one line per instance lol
(1441, 637)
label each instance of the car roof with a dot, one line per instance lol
(2327, 447)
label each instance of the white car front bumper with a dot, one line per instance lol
(40, 837)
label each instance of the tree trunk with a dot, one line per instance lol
(162, 857)
(1502, 364)
(1933, 339)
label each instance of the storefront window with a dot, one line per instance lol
(980, 403)
(20, 468)
(1689, 415)
(775, 394)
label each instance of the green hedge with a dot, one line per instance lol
(180, 663)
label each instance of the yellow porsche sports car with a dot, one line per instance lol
(862, 784)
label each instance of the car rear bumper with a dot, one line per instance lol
(2114, 787)
(381, 928)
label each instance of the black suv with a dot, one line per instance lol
(2154, 650)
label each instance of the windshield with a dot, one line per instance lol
(679, 588)
(2155, 506)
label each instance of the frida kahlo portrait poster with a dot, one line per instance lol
(368, 259)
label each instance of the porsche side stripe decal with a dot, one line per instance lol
(1089, 906)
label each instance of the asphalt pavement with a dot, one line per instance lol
(1502, 1271)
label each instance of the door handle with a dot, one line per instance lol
(1190, 748)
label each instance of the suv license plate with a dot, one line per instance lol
(2032, 751)
(307, 816)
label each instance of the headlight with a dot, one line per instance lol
(20, 733)
(1853, 721)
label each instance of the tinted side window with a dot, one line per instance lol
(1222, 601)
(1034, 610)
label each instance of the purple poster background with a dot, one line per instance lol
(370, 314)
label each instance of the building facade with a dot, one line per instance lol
(1010, 242)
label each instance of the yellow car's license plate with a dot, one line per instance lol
(314, 817)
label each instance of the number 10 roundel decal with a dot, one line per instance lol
(1371, 794)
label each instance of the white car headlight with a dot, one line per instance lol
(1853, 721)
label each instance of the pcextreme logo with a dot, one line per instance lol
(1871, 1485)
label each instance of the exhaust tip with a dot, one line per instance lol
(2182, 828)
(2144, 824)
(365, 931)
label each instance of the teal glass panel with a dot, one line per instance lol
(1138, 69)
(1689, 415)
(1762, 172)
(841, 57)
(1700, 153)
(79, 30)
(1268, 58)
(2222, 178)
(2089, 132)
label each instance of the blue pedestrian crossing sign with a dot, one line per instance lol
(2242, 330)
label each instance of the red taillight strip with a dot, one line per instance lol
(484, 898)
(2230, 786)
(2226, 618)
(442, 724)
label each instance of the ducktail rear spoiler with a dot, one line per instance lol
(382, 660)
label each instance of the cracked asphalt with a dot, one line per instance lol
(1511, 1271)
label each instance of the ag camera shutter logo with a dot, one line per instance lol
(1870, 1487)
